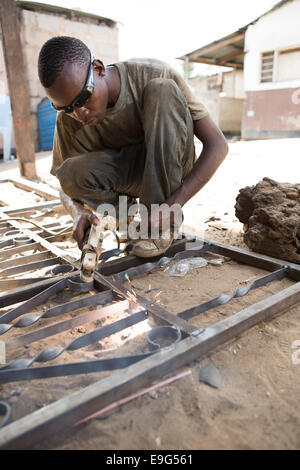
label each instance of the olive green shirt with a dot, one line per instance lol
(123, 123)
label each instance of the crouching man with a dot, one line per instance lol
(126, 129)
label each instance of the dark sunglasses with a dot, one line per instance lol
(83, 96)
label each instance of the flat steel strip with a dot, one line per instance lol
(98, 334)
(146, 268)
(41, 205)
(19, 249)
(223, 299)
(34, 301)
(25, 259)
(30, 266)
(58, 327)
(14, 283)
(60, 370)
(28, 320)
(21, 294)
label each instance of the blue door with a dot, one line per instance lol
(46, 119)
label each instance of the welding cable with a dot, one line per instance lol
(51, 232)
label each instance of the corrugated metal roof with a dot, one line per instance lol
(66, 12)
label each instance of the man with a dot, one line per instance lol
(125, 129)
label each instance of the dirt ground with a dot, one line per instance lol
(257, 403)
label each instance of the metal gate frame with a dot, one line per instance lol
(30, 429)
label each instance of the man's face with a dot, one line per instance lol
(70, 83)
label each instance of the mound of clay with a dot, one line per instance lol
(270, 212)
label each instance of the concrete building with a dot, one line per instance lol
(272, 74)
(223, 94)
(39, 22)
(266, 53)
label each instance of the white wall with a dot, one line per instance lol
(277, 30)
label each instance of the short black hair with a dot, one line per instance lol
(55, 53)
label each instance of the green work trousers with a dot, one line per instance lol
(151, 170)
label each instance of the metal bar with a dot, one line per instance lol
(40, 188)
(13, 283)
(98, 334)
(223, 299)
(24, 293)
(19, 249)
(67, 307)
(155, 310)
(75, 368)
(136, 271)
(20, 341)
(51, 419)
(30, 266)
(34, 301)
(49, 246)
(9, 210)
(246, 257)
(115, 266)
(5, 243)
(25, 259)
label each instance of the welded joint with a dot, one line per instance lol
(197, 332)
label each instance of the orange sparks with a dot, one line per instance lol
(158, 293)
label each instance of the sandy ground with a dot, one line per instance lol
(257, 404)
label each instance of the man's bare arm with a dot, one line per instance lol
(214, 151)
(82, 218)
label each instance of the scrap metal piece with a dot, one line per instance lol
(210, 375)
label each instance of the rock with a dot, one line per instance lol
(210, 375)
(270, 212)
(153, 394)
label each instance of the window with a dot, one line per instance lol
(267, 66)
(288, 65)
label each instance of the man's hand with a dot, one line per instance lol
(82, 218)
(82, 222)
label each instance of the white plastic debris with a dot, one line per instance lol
(216, 261)
(180, 268)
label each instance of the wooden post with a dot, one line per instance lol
(18, 89)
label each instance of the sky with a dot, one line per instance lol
(166, 29)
